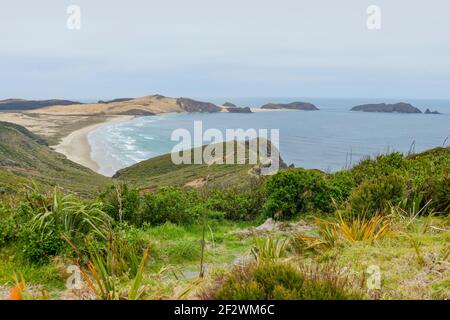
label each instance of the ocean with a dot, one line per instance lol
(330, 139)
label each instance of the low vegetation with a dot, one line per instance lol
(328, 233)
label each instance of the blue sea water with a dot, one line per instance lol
(329, 139)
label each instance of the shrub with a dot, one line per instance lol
(284, 281)
(123, 204)
(437, 191)
(234, 205)
(170, 204)
(375, 196)
(9, 226)
(381, 166)
(293, 191)
(38, 247)
(269, 249)
(51, 221)
(342, 183)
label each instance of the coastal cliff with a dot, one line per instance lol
(190, 105)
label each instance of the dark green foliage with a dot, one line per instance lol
(342, 183)
(437, 190)
(170, 204)
(370, 187)
(236, 205)
(123, 203)
(381, 166)
(295, 191)
(424, 175)
(284, 281)
(8, 227)
(376, 195)
(38, 247)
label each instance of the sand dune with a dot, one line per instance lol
(152, 104)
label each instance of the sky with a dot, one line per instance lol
(232, 48)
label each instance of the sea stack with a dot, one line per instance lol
(428, 111)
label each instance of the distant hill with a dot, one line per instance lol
(147, 105)
(115, 100)
(161, 171)
(24, 155)
(306, 106)
(20, 104)
(400, 107)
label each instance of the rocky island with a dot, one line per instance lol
(229, 104)
(232, 108)
(306, 106)
(428, 111)
(400, 107)
(238, 109)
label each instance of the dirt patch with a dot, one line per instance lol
(196, 183)
(271, 226)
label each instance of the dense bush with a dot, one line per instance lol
(425, 175)
(376, 195)
(381, 166)
(170, 204)
(342, 184)
(284, 281)
(294, 191)
(38, 247)
(43, 222)
(437, 191)
(235, 205)
(123, 204)
(8, 226)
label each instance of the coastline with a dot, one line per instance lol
(76, 145)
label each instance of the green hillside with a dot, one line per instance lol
(161, 171)
(24, 156)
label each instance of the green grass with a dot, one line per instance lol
(50, 275)
(180, 246)
(161, 171)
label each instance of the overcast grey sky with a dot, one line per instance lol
(228, 48)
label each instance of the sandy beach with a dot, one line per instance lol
(76, 146)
